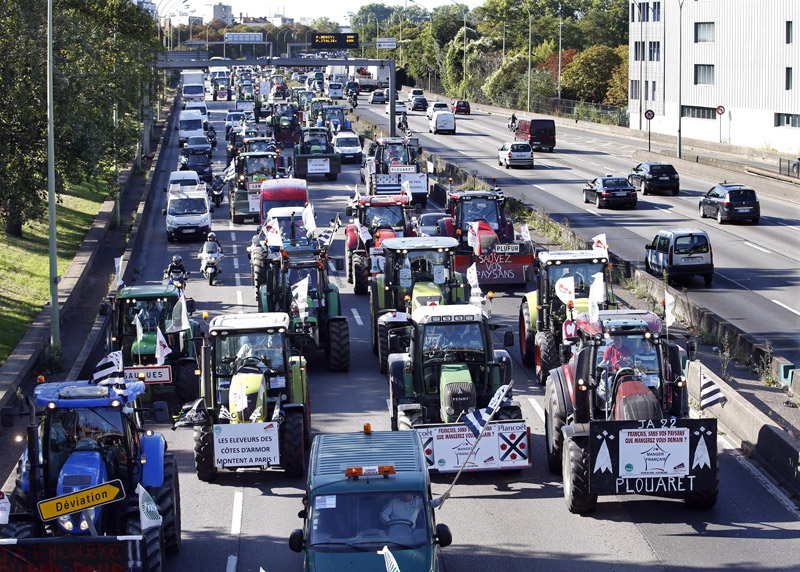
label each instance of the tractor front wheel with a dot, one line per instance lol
(575, 462)
(187, 383)
(527, 333)
(168, 498)
(292, 445)
(360, 275)
(204, 453)
(406, 422)
(546, 355)
(383, 347)
(554, 419)
(338, 345)
(20, 529)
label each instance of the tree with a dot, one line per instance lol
(589, 73)
(617, 93)
(325, 25)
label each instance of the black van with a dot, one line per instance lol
(540, 133)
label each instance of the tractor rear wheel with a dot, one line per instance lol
(383, 347)
(258, 263)
(187, 383)
(575, 461)
(546, 355)
(554, 419)
(204, 453)
(373, 323)
(527, 333)
(20, 529)
(338, 345)
(348, 262)
(292, 445)
(153, 551)
(168, 498)
(360, 275)
(406, 422)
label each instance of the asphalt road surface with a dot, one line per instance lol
(511, 521)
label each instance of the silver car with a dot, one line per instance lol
(515, 154)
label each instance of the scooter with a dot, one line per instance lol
(512, 125)
(177, 279)
(217, 192)
(210, 257)
(212, 137)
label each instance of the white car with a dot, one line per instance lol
(346, 143)
(399, 107)
(377, 97)
(415, 93)
(515, 154)
(442, 121)
(436, 106)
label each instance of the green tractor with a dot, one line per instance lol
(444, 366)
(543, 316)
(254, 390)
(157, 308)
(415, 272)
(316, 320)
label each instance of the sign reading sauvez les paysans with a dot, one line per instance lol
(246, 445)
(86, 498)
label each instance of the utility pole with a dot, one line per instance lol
(529, 61)
(55, 321)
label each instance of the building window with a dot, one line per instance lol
(654, 51)
(656, 11)
(633, 12)
(788, 78)
(787, 120)
(788, 31)
(634, 91)
(698, 112)
(646, 89)
(638, 51)
(644, 12)
(703, 74)
(703, 32)
(653, 87)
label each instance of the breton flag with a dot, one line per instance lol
(300, 295)
(388, 558)
(109, 371)
(710, 393)
(478, 419)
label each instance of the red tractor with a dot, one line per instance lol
(377, 218)
(617, 416)
(478, 220)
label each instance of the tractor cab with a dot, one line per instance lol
(253, 168)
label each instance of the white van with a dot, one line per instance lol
(202, 108)
(190, 123)
(188, 213)
(192, 92)
(442, 121)
(335, 90)
(680, 252)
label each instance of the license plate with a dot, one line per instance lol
(747, 210)
(535, 142)
(187, 230)
(663, 178)
(506, 248)
(620, 194)
(376, 250)
(692, 259)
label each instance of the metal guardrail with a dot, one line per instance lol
(183, 55)
(789, 167)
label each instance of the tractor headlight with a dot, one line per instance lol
(85, 523)
(450, 411)
(66, 522)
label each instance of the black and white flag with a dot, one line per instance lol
(710, 393)
(109, 371)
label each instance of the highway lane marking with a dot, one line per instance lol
(751, 245)
(233, 236)
(235, 249)
(230, 225)
(236, 264)
(233, 560)
(782, 305)
(238, 279)
(592, 212)
(789, 225)
(537, 408)
(357, 317)
(236, 519)
(239, 298)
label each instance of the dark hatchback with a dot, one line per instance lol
(200, 164)
(461, 107)
(609, 191)
(652, 177)
(419, 104)
(730, 201)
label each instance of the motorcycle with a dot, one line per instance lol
(217, 191)
(512, 124)
(210, 257)
(177, 279)
(212, 137)
(352, 99)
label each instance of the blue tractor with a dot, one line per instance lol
(92, 456)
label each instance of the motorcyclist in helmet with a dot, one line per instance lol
(218, 183)
(211, 237)
(175, 266)
(512, 123)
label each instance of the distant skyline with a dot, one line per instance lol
(311, 9)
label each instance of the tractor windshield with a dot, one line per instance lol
(264, 165)
(362, 521)
(384, 215)
(150, 313)
(395, 153)
(234, 350)
(632, 353)
(287, 232)
(447, 346)
(479, 209)
(295, 275)
(422, 266)
(582, 272)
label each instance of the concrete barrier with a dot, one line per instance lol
(750, 429)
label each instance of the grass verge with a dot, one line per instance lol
(25, 264)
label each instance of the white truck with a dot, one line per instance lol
(334, 73)
(371, 78)
(192, 76)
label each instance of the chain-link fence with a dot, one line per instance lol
(578, 110)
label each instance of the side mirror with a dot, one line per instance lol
(648, 246)
(297, 540)
(165, 189)
(164, 212)
(105, 308)
(190, 306)
(185, 145)
(443, 535)
(176, 128)
(160, 411)
(564, 352)
(7, 416)
(418, 209)
(508, 338)
(302, 514)
(211, 208)
(338, 263)
(691, 349)
(348, 210)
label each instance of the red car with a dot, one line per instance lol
(460, 107)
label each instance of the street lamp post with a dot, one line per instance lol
(504, 40)
(560, 27)
(55, 332)
(680, 78)
(529, 60)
